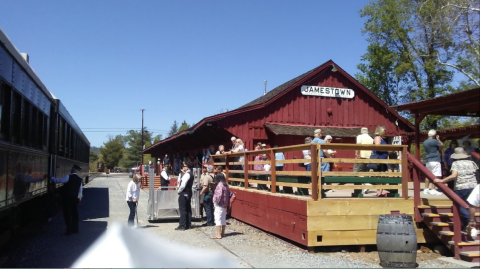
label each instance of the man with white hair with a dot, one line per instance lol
(234, 142)
(318, 134)
(432, 147)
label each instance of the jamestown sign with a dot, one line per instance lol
(327, 92)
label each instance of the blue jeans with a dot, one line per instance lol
(464, 215)
(308, 167)
(208, 205)
(325, 167)
(131, 217)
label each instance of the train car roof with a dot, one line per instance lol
(62, 110)
(21, 61)
(29, 70)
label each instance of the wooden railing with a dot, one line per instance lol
(420, 172)
(233, 168)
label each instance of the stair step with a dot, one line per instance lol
(470, 254)
(441, 224)
(446, 233)
(468, 243)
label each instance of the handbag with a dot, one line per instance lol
(373, 166)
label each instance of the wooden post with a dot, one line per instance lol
(405, 172)
(273, 171)
(457, 230)
(245, 170)
(226, 168)
(313, 149)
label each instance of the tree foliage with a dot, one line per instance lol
(173, 129)
(410, 46)
(133, 139)
(112, 151)
(93, 157)
(184, 126)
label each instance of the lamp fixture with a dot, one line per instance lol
(334, 69)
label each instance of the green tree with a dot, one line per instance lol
(184, 126)
(399, 36)
(133, 140)
(93, 157)
(112, 151)
(157, 138)
(173, 129)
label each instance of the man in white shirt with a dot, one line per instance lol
(164, 178)
(184, 198)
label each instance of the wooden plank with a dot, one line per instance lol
(338, 146)
(293, 173)
(394, 180)
(346, 160)
(355, 206)
(281, 195)
(236, 179)
(426, 203)
(342, 222)
(297, 185)
(356, 187)
(354, 237)
(286, 202)
(360, 174)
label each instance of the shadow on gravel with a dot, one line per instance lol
(44, 245)
(232, 234)
(95, 204)
(145, 227)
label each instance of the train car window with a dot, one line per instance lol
(26, 127)
(33, 127)
(41, 131)
(60, 136)
(16, 118)
(5, 104)
(45, 132)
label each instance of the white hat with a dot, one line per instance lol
(459, 154)
(432, 133)
(328, 137)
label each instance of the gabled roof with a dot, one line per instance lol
(464, 103)
(281, 90)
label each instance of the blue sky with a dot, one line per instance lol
(178, 60)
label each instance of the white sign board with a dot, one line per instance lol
(327, 92)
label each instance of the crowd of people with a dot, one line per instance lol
(457, 167)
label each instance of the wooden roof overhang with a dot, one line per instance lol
(465, 104)
(201, 137)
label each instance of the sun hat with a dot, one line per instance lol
(459, 153)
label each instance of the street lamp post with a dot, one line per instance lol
(142, 137)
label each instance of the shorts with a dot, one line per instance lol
(435, 168)
(220, 215)
(474, 197)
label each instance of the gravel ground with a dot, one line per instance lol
(104, 203)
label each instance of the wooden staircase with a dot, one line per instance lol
(439, 218)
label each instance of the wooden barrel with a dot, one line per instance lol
(396, 241)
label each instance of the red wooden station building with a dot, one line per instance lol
(325, 97)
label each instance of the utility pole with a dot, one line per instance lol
(142, 138)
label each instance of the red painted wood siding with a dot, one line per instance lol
(295, 108)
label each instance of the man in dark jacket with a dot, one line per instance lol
(184, 198)
(71, 196)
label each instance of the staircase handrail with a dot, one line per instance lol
(456, 200)
(443, 187)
